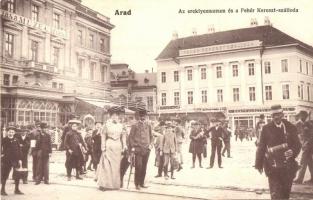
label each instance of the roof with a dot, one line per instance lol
(269, 35)
(151, 77)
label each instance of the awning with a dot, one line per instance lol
(105, 104)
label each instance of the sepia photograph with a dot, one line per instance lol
(156, 99)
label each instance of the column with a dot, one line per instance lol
(182, 89)
(211, 94)
(227, 88)
(196, 90)
(243, 88)
(47, 49)
(258, 78)
(24, 46)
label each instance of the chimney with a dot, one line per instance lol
(267, 21)
(194, 31)
(253, 22)
(211, 28)
(175, 35)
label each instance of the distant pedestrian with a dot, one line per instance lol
(196, 143)
(11, 157)
(88, 142)
(169, 149)
(226, 140)
(141, 143)
(96, 144)
(180, 136)
(159, 159)
(44, 150)
(279, 146)
(216, 136)
(305, 131)
(24, 141)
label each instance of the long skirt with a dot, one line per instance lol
(108, 170)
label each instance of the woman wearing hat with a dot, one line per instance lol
(113, 143)
(73, 143)
(11, 157)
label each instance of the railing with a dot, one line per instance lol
(43, 67)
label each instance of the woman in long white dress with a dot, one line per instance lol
(113, 143)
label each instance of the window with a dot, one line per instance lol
(54, 85)
(235, 70)
(219, 95)
(268, 92)
(150, 103)
(80, 37)
(15, 80)
(56, 20)
(236, 94)
(308, 91)
(300, 66)
(61, 86)
(203, 73)
(92, 71)
(35, 13)
(284, 65)
(163, 77)
(204, 96)
(91, 41)
(9, 44)
(176, 76)
(55, 56)
(190, 97)
(251, 69)
(34, 51)
(103, 72)
(176, 98)
(307, 68)
(285, 91)
(11, 6)
(218, 72)
(301, 92)
(189, 74)
(102, 45)
(267, 66)
(80, 67)
(6, 79)
(252, 93)
(163, 99)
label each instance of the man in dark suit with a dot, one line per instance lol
(278, 147)
(96, 144)
(11, 156)
(216, 143)
(44, 150)
(24, 140)
(141, 142)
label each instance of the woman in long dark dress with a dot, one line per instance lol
(196, 143)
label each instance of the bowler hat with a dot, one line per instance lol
(302, 113)
(74, 121)
(43, 125)
(10, 128)
(141, 111)
(116, 109)
(276, 109)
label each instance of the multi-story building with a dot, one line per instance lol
(53, 55)
(239, 72)
(133, 89)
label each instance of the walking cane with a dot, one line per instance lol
(132, 160)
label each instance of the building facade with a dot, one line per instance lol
(51, 53)
(133, 89)
(239, 72)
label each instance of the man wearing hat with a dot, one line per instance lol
(44, 150)
(159, 159)
(276, 152)
(11, 157)
(216, 143)
(73, 142)
(24, 140)
(96, 144)
(180, 136)
(305, 131)
(141, 142)
(169, 148)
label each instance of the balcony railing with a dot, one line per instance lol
(32, 66)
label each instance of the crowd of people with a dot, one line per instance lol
(111, 147)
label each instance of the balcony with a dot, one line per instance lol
(31, 67)
(122, 79)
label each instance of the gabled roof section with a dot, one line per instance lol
(269, 35)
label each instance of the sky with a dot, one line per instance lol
(137, 39)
